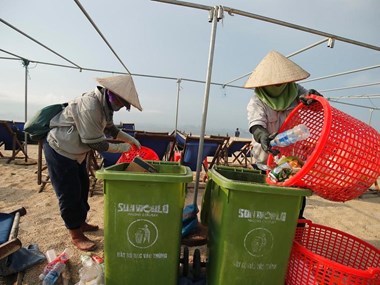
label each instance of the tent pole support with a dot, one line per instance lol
(215, 15)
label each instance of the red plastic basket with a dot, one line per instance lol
(145, 153)
(341, 155)
(322, 255)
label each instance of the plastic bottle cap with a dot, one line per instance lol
(50, 255)
(69, 251)
(86, 260)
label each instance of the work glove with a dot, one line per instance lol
(262, 136)
(128, 138)
(119, 147)
(309, 101)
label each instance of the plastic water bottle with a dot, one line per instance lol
(91, 272)
(54, 273)
(63, 258)
(298, 133)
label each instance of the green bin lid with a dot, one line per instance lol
(167, 172)
(243, 179)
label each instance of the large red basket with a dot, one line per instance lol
(342, 154)
(145, 153)
(322, 255)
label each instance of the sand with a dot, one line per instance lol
(42, 225)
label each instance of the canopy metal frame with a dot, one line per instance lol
(216, 13)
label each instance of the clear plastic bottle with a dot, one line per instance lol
(91, 272)
(54, 273)
(298, 133)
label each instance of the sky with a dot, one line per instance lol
(172, 42)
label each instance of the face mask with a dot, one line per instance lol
(274, 90)
(116, 102)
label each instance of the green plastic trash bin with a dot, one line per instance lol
(251, 226)
(142, 223)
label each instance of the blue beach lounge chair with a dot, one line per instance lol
(163, 144)
(211, 148)
(11, 139)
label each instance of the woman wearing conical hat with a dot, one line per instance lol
(275, 95)
(83, 125)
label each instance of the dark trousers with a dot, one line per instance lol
(71, 185)
(300, 216)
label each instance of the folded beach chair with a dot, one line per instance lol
(162, 143)
(12, 139)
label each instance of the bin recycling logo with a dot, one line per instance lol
(258, 242)
(142, 233)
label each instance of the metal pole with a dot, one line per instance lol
(176, 112)
(341, 73)
(290, 55)
(232, 11)
(349, 87)
(29, 37)
(308, 47)
(100, 33)
(216, 13)
(26, 64)
(370, 116)
(185, 4)
(355, 105)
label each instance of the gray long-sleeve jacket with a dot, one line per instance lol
(261, 114)
(84, 122)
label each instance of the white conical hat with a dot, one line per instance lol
(123, 86)
(273, 69)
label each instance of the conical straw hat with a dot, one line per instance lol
(275, 69)
(123, 86)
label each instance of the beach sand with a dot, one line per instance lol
(42, 225)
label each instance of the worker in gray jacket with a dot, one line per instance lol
(84, 125)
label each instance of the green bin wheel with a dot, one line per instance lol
(196, 264)
(185, 262)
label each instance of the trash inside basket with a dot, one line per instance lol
(341, 155)
(145, 153)
(323, 255)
